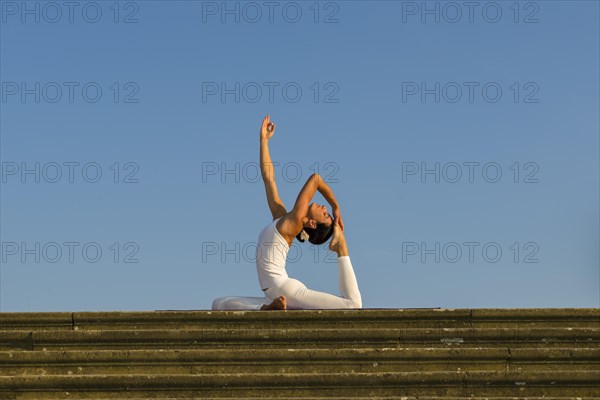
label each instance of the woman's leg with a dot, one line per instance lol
(240, 303)
(249, 303)
(347, 281)
(299, 297)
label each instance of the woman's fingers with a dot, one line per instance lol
(271, 127)
(268, 128)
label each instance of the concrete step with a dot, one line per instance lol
(589, 336)
(153, 395)
(278, 361)
(456, 383)
(399, 353)
(327, 319)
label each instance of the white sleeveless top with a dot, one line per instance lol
(271, 253)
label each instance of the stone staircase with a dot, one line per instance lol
(302, 354)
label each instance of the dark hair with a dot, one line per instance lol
(319, 235)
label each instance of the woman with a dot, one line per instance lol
(305, 221)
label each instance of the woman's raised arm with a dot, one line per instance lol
(268, 171)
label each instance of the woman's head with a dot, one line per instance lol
(318, 224)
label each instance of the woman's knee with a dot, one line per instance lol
(217, 304)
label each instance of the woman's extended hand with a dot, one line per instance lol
(267, 129)
(337, 216)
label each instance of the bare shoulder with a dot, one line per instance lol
(288, 227)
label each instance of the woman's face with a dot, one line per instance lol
(319, 213)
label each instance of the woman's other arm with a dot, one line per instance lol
(315, 182)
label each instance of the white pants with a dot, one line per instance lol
(299, 297)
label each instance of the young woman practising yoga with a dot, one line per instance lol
(306, 221)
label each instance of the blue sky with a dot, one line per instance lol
(462, 145)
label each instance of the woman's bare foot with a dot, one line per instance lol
(338, 241)
(277, 304)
